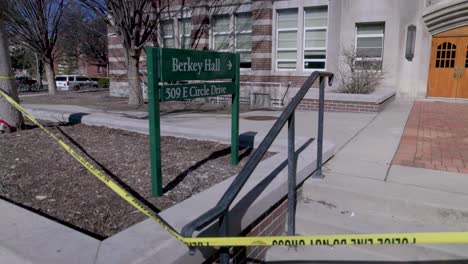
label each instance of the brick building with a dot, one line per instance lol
(80, 66)
(282, 41)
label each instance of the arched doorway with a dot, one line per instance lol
(448, 68)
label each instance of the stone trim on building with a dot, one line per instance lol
(200, 28)
(446, 15)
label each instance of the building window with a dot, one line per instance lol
(168, 34)
(185, 31)
(286, 49)
(369, 45)
(241, 31)
(446, 54)
(315, 37)
(243, 38)
(221, 33)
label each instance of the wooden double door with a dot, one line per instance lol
(448, 71)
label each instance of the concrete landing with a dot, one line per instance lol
(370, 153)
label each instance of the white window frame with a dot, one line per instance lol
(163, 36)
(304, 49)
(381, 35)
(187, 35)
(232, 34)
(243, 32)
(222, 33)
(278, 49)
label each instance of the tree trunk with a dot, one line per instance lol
(135, 93)
(49, 67)
(7, 83)
(38, 71)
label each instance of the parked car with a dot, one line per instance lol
(73, 82)
(25, 80)
(26, 84)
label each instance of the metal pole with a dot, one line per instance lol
(235, 116)
(154, 122)
(223, 232)
(291, 178)
(318, 173)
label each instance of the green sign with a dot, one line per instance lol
(177, 65)
(172, 65)
(187, 91)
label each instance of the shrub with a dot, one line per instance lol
(358, 75)
(103, 82)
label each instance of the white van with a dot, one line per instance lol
(73, 82)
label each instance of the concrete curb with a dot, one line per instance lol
(141, 126)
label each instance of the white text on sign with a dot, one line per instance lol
(207, 65)
(192, 91)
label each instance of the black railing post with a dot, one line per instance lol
(223, 232)
(318, 173)
(291, 177)
(220, 210)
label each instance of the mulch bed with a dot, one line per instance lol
(36, 173)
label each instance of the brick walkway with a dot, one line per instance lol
(435, 137)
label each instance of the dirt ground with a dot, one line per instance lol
(37, 174)
(100, 99)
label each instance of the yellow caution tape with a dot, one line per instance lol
(6, 77)
(351, 239)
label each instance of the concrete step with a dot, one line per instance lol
(290, 255)
(449, 211)
(318, 218)
(315, 218)
(345, 205)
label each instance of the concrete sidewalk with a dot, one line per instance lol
(362, 192)
(370, 153)
(339, 127)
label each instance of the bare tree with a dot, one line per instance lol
(81, 23)
(94, 47)
(135, 22)
(7, 112)
(35, 24)
(358, 74)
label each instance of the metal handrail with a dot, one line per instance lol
(222, 207)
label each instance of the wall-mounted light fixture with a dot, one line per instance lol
(410, 42)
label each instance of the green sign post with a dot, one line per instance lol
(171, 65)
